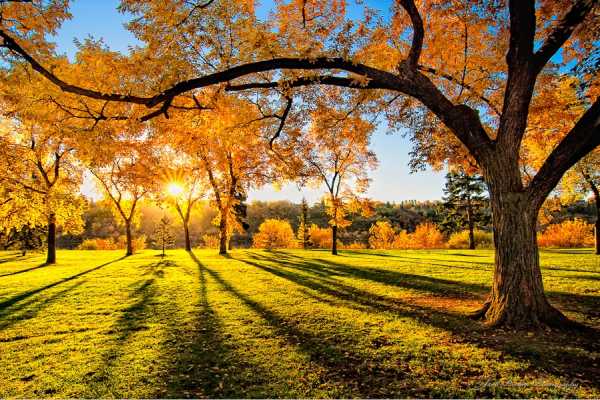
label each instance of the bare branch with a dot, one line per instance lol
(195, 7)
(282, 119)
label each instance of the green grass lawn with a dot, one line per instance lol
(285, 324)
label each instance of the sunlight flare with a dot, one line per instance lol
(174, 189)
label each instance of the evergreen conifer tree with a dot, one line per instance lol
(465, 204)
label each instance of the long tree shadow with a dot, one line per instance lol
(355, 372)
(556, 352)
(484, 265)
(354, 297)
(322, 267)
(201, 361)
(369, 254)
(22, 296)
(30, 308)
(132, 320)
(585, 304)
(24, 270)
(571, 251)
(14, 256)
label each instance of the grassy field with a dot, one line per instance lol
(285, 324)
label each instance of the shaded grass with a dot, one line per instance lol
(285, 324)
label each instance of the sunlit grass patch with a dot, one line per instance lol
(284, 324)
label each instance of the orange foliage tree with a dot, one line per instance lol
(334, 151)
(320, 238)
(229, 151)
(574, 233)
(381, 235)
(39, 152)
(273, 234)
(126, 175)
(426, 236)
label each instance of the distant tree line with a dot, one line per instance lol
(100, 222)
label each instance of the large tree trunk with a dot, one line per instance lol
(129, 238)
(517, 299)
(334, 240)
(186, 231)
(51, 255)
(223, 235)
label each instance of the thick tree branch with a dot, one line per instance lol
(521, 79)
(562, 32)
(12, 45)
(582, 139)
(461, 119)
(418, 33)
(310, 80)
(522, 32)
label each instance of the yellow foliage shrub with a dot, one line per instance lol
(402, 241)
(98, 244)
(354, 246)
(210, 241)
(426, 236)
(460, 240)
(273, 234)
(320, 237)
(381, 235)
(575, 233)
(138, 243)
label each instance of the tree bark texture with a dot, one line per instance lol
(334, 231)
(517, 298)
(186, 231)
(223, 235)
(129, 238)
(51, 254)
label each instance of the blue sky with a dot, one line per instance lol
(391, 181)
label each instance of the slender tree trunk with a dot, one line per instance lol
(51, 256)
(517, 298)
(186, 231)
(223, 235)
(129, 251)
(334, 229)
